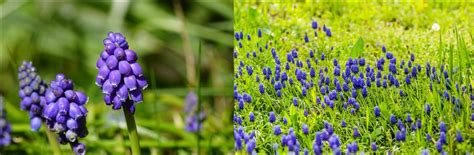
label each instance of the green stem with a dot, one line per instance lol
(53, 142)
(132, 131)
(199, 98)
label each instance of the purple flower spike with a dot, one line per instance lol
(120, 76)
(65, 114)
(32, 92)
(78, 148)
(5, 127)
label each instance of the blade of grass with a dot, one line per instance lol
(199, 96)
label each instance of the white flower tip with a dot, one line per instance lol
(435, 27)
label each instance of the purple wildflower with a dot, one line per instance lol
(65, 114)
(120, 76)
(32, 92)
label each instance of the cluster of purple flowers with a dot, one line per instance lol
(291, 141)
(327, 134)
(32, 91)
(120, 76)
(348, 86)
(65, 112)
(193, 120)
(5, 127)
(240, 136)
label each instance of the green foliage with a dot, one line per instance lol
(66, 37)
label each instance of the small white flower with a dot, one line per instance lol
(435, 27)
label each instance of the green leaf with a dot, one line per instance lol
(358, 48)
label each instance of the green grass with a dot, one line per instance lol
(358, 30)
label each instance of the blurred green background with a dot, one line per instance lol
(66, 37)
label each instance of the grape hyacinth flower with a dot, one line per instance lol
(373, 146)
(427, 109)
(409, 120)
(314, 24)
(377, 111)
(122, 81)
(5, 127)
(442, 127)
(251, 117)
(425, 152)
(334, 142)
(459, 138)
(272, 117)
(65, 113)
(194, 118)
(32, 91)
(356, 133)
(277, 130)
(120, 76)
(305, 129)
(194, 122)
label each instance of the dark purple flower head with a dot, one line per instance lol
(442, 127)
(328, 32)
(352, 147)
(400, 136)
(377, 111)
(65, 112)
(409, 120)
(439, 146)
(295, 101)
(314, 24)
(251, 117)
(389, 55)
(343, 123)
(190, 102)
(425, 152)
(272, 117)
(333, 95)
(418, 123)
(237, 119)
(334, 142)
(32, 92)
(251, 145)
(305, 129)
(361, 61)
(459, 137)
(364, 91)
(306, 39)
(277, 130)
(120, 76)
(78, 148)
(259, 33)
(241, 104)
(356, 133)
(442, 137)
(373, 146)
(247, 98)
(5, 127)
(393, 119)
